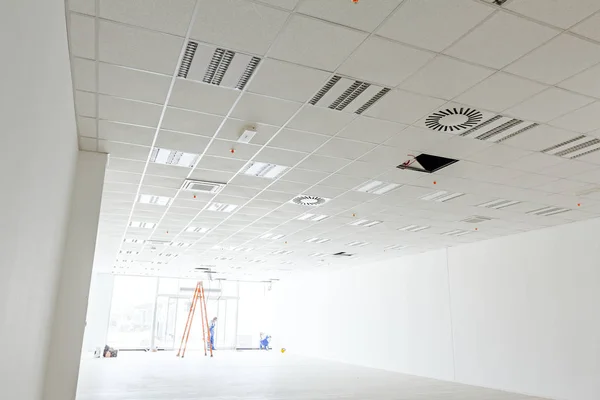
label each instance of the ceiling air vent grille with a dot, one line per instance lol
(217, 66)
(453, 119)
(548, 211)
(202, 186)
(476, 219)
(343, 94)
(500, 204)
(498, 128)
(574, 148)
(186, 61)
(309, 201)
(456, 233)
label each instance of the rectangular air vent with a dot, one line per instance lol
(316, 240)
(413, 228)
(576, 147)
(377, 187)
(143, 225)
(154, 242)
(396, 247)
(312, 217)
(263, 170)
(499, 204)
(343, 94)
(548, 211)
(365, 223)
(217, 66)
(192, 185)
(342, 254)
(456, 232)
(498, 128)
(476, 219)
(156, 200)
(427, 163)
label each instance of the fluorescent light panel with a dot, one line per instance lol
(365, 223)
(377, 187)
(357, 244)
(221, 207)
(413, 228)
(173, 157)
(316, 240)
(312, 217)
(272, 236)
(441, 196)
(156, 200)
(194, 229)
(499, 204)
(140, 224)
(264, 170)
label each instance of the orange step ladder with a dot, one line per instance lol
(198, 297)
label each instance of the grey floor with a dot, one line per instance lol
(258, 375)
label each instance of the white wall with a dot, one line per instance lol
(393, 316)
(39, 147)
(519, 313)
(98, 313)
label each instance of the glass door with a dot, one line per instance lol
(166, 317)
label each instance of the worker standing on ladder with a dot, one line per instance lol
(213, 323)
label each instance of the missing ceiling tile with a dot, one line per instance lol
(427, 163)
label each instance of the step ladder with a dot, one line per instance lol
(198, 297)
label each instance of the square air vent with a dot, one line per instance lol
(217, 66)
(476, 219)
(343, 94)
(426, 163)
(202, 186)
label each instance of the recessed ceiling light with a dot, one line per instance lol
(151, 199)
(357, 244)
(194, 229)
(140, 224)
(312, 217)
(173, 157)
(263, 170)
(441, 196)
(130, 240)
(221, 207)
(316, 240)
(413, 228)
(272, 236)
(365, 223)
(377, 187)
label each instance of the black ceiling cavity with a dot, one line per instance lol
(453, 119)
(499, 2)
(428, 163)
(349, 91)
(343, 254)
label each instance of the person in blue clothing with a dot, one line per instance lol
(213, 324)
(264, 341)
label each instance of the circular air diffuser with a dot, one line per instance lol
(453, 119)
(309, 201)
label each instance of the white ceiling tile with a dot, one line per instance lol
(123, 177)
(87, 127)
(394, 62)
(287, 81)
(320, 120)
(590, 176)
(82, 36)
(547, 105)
(564, 186)
(128, 111)
(586, 82)
(124, 165)
(172, 171)
(305, 176)
(445, 77)
(458, 147)
(238, 25)
(321, 164)
(132, 84)
(177, 119)
(342, 148)
(384, 156)
(589, 28)
(85, 102)
(519, 36)
(84, 74)
(289, 187)
(561, 13)
(163, 181)
(559, 59)
(413, 138)
(199, 96)
(287, 4)
(303, 42)
(343, 181)
(499, 155)
(362, 15)
(220, 164)
(222, 148)
(405, 107)
(540, 138)
(433, 24)
(279, 156)
(211, 176)
(535, 162)
(83, 6)
(256, 108)
(569, 168)
(298, 140)
(181, 141)
(233, 129)
(582, 120)
(133, 134)
(124, 150)
(87, 144)
(138, 48)
(171, 16)
(500, 91)
(371, 130)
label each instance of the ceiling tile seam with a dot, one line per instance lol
(112, 64)
(285, 124)
(162, 115)
(97, 68)
(592, 15)
(218, 130)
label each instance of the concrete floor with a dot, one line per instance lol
(258, 375)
